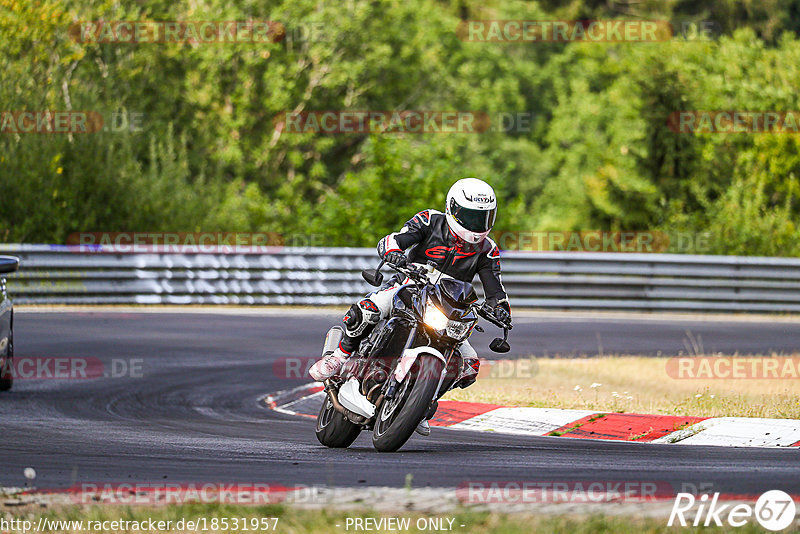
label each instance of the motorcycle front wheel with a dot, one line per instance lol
(398, 417)
(7, 366)
(333, 429)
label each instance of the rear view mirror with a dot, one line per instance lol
(499, 344)
(8, 264)
(372, 276)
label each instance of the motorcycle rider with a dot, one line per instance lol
(456, 241)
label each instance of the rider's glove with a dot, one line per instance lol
(501, 314)
(398, 259)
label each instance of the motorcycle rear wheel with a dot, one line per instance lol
(411, 406)
(333, 429)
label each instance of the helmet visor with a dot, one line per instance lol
(477, 221)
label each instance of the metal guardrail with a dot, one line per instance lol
(51, 274)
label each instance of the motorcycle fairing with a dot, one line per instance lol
(410, 356)
(354, 401)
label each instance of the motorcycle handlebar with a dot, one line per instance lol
(486, 314)
(419, 275)
(414, 273)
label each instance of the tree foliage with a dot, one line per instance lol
(597, 154)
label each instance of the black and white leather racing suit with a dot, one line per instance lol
(425, 238)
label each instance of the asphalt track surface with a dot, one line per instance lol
(193, 415)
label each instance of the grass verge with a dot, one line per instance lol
(632, 384)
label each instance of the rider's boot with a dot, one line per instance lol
(329, 365)
(358, 322)
(424, 428)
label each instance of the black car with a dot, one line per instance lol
(8, 264)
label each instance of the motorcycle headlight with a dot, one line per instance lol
(458, 330)
(434, 317)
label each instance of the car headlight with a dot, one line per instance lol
(434, 317)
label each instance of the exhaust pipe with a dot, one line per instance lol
(350, 416)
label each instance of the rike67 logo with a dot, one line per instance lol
(774, 510)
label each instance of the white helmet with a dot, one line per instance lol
(471, 209)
